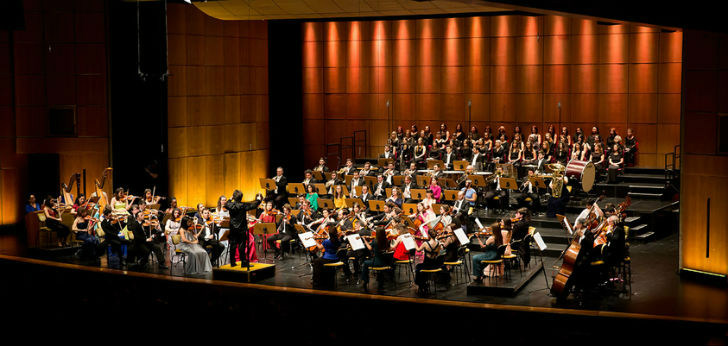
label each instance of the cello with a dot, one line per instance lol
(560, 285)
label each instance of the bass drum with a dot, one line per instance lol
(583, 171)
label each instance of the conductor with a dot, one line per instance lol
(239, 226)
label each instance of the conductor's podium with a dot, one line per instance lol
(258, 271)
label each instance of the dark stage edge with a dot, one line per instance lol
(509, 285)
(257, 272)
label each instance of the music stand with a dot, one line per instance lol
(538, 182)
(409, 209)
(267, 184)
(508, 183)
(436, 208)
(371, 181)
(447, 183)
(326, 203)
(432, 162)
(418, 194)
(460, 165)
(320, 189)
(423, 180)
(292, 201)
(478, 180)
(295, 188)
(376, 205)
(358, 190)
(397, 180)
(225, 235)
(295, 212)
(409, 222)
(351, 201)
(262, 230)
(382, 162)
(345, 189)
(318, 176)
(388, 191)
(450, 195)
(347, 179)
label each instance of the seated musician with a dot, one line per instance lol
(367, 170)
(120, 203)
(407, 187)
(470, 195)
(308, 178)
(196, 259)
(198, 213)
(528, 190)
(396, 197)
(286, 232)
(306, 215)
(469, 170)
(82, 228)
(312, 196)
(322, 167)
(54, 220)
(380, 188)
(348, 168)
(436, 189)
(339, 197)
(478, 159)
(448, 157)
(80, 202)
(356, 180)
(329, 247)
(490, 252)
(493, 189)
(347, 254)
(386, 216)
(388, 152)
(432, 259)
(411, 171)
(172, 206)
(378, 247)
(460, 205)
(541, 162)
(32, 204)
(365, 195)
(149, 198)
(269, 213)
(429, 199)
(436, 172)
(299, 201)
(400, 252)
(111, 230)
(279, 194)
(145, 242)
(390, 172)
(208, 235)
(331, 183)
(558, 205)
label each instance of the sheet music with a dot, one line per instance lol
(539, 241)
(480, 225)
(409, 242)
(307, 239)
(462, 237)
(355, 242)
(568, 226)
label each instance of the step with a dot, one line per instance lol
(641, 170)
(646, 186)
(646, 195)
(631, 220)
(645, 236)
(637, 230)
(552, 250)
(642, 178)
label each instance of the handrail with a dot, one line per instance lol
(357, 153)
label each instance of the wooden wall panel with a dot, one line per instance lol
(218, 105)
(514, 69)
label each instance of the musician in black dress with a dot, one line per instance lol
(238, 236)
(630, 148)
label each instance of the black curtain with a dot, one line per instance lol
(285, 95)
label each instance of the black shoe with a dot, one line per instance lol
(123, 263)
(162, 266)
(233, 264)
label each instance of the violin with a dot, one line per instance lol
(150, 223)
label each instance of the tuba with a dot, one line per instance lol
(557, 181)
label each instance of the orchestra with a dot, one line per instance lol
(451, 200)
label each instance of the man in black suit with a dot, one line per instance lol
(380, 188)
(111, 237)
(357, 180)
(388, 153)
(331, 183)
(238, 236)
(407, 187)
(144, 242)
(477, 159)
(308, 179)
(365, 195)
(448, 157)
(389, 172)
(279, 195)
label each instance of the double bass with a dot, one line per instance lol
(561, 280)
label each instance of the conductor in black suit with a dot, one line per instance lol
(238, 236)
